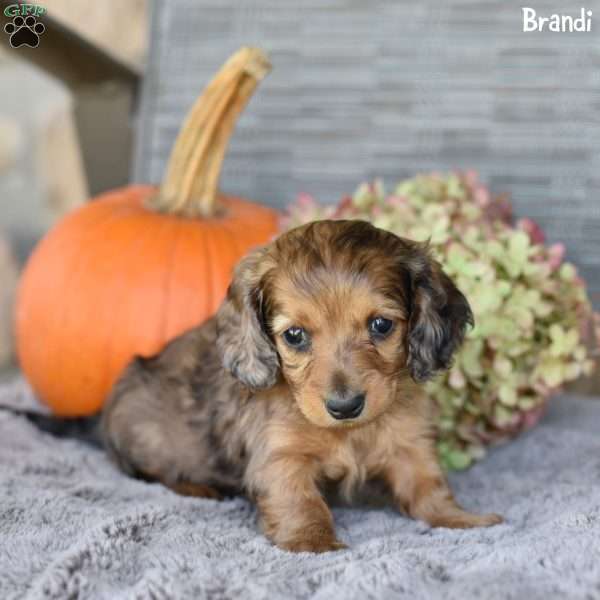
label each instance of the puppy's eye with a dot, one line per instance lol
(296, 337)
(379, 327)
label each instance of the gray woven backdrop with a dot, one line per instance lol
(389, 88)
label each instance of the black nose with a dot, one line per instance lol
(347, 406)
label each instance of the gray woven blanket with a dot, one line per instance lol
(71, 526)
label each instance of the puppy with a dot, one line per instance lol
(306, 377)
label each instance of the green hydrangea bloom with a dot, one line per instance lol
(531, 308)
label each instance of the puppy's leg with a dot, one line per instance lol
(148, 433)
(149, 450)
(293, 514)
(195, 490)
(421, 490)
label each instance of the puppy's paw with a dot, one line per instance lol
(313, 545)
(313, 537)
(461, 519)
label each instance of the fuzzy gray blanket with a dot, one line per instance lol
(71, 526)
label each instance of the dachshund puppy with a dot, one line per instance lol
(306, 377)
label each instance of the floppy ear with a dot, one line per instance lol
(242, 341)
(438, 318)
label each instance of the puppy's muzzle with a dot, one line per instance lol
(345, 406)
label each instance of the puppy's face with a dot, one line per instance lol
(344, 313)
(340, 343)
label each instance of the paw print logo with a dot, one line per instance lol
(24, 32)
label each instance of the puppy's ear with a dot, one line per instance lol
(242, 340)
(438, 318)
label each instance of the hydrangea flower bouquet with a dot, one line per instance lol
(534, 323)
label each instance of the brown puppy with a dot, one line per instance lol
(306, 377)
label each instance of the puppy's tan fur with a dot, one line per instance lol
(230, 407)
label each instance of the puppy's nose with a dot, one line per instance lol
(347, 406)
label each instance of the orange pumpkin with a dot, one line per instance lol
(126, 273)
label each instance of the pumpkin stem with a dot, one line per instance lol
(190, 187)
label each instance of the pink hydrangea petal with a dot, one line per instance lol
(532, 417)
(481, 195)
(305, 200)
(532, 229)
(556, 255)
(345, 206)
(557, 249)
(396, 201)
(470, 177)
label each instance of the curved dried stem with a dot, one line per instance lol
(190, 186)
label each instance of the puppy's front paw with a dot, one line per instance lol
(461, 519)
(313, 537)
(312, 545)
